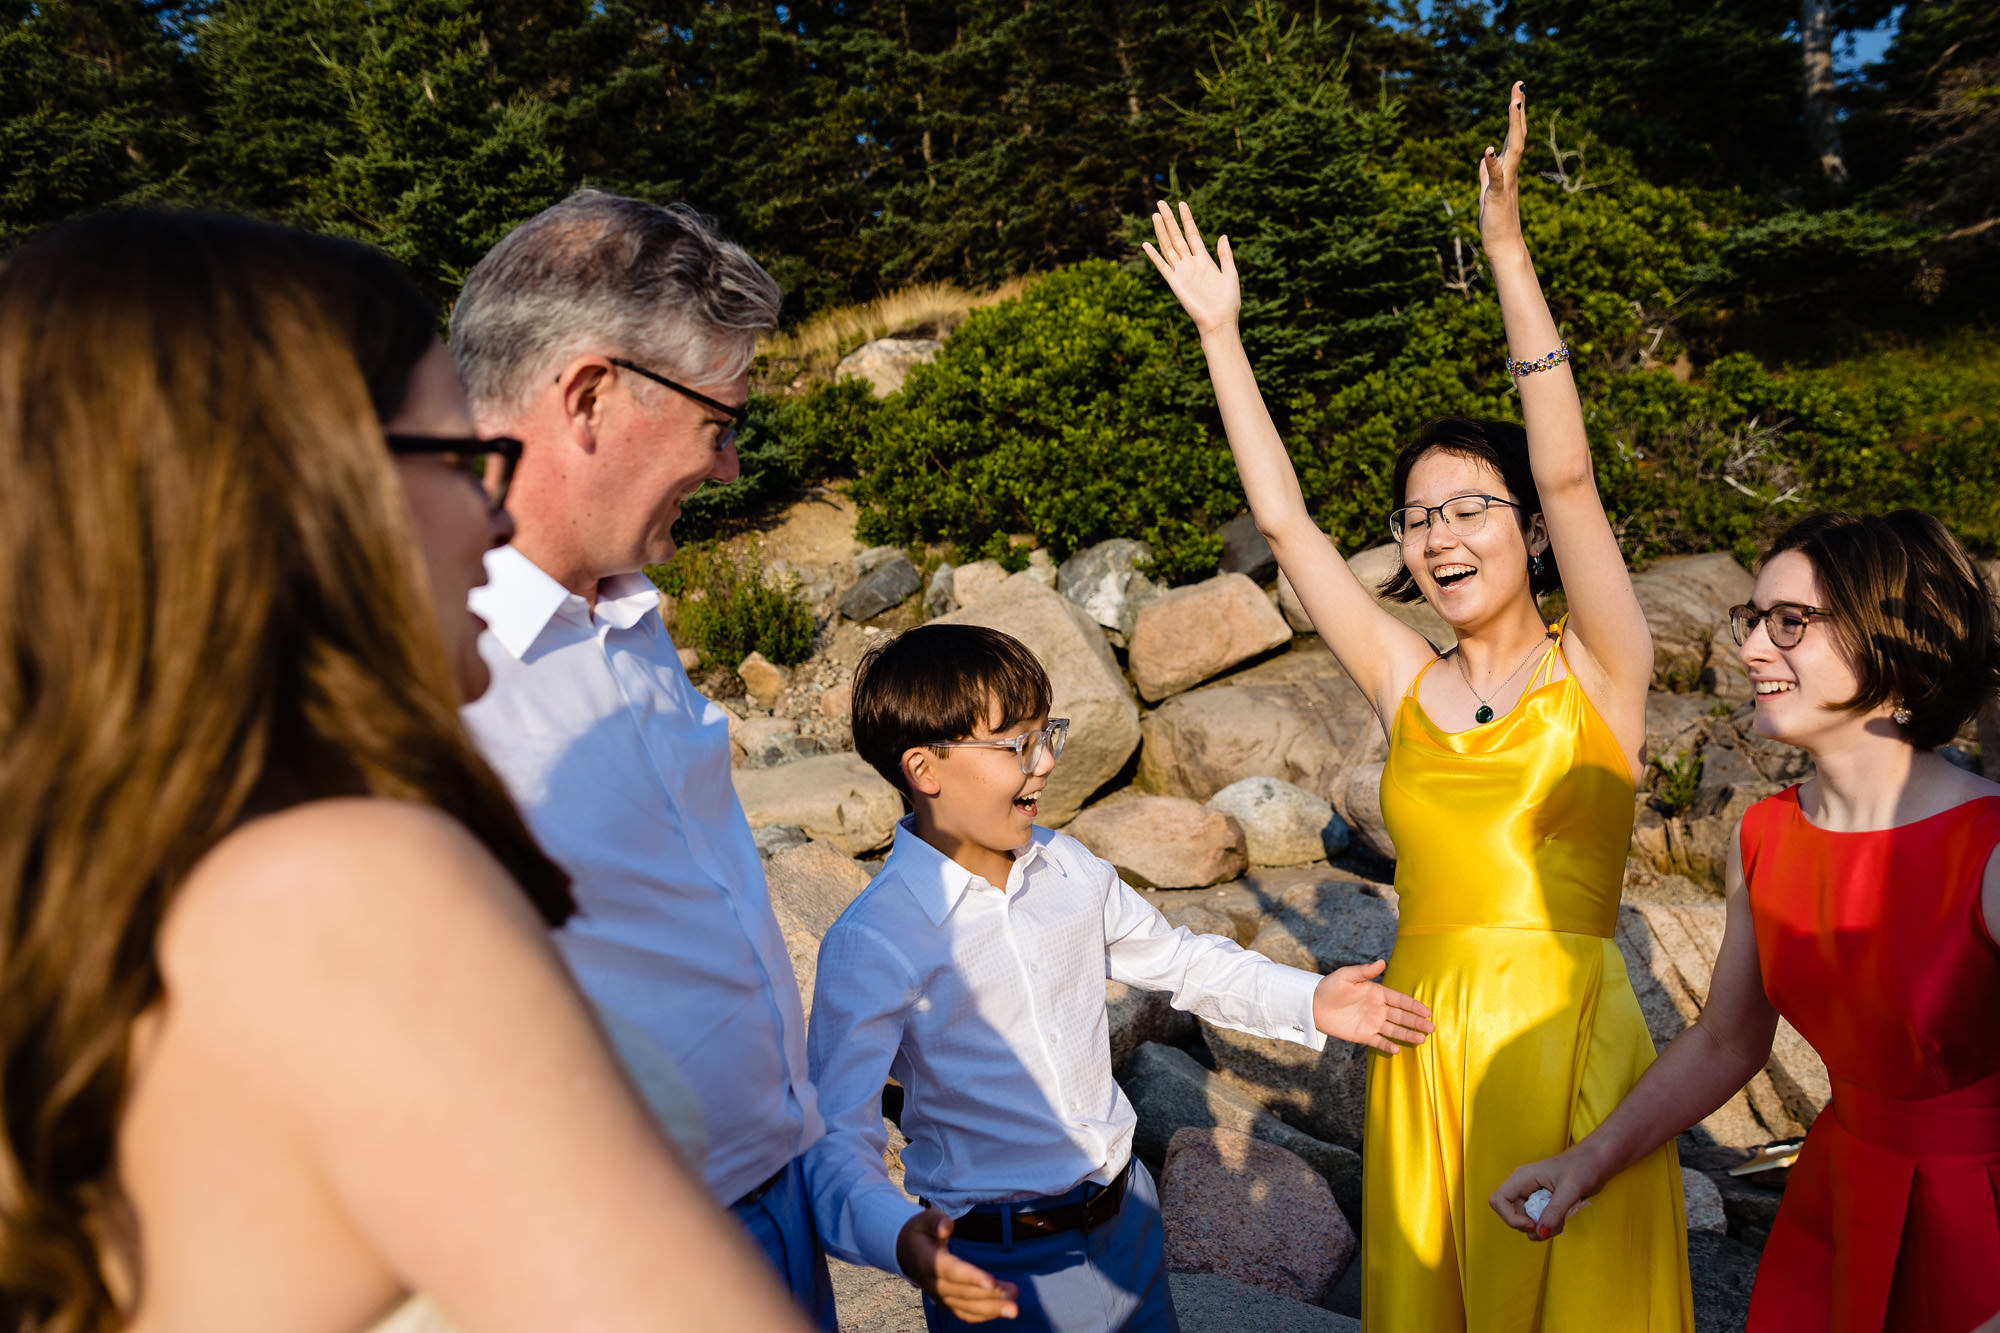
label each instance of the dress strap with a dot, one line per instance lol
(1546, 671)
(1411, 692)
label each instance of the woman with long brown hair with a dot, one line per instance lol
(281, 1034)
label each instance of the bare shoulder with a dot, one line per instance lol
(302, 886)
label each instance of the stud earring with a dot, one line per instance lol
(1540, 564)
(1901, 714)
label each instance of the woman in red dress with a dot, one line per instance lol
(1864, 906)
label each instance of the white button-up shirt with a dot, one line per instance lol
(622, 771)
(987, 1005)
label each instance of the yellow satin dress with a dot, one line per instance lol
(1510, 855)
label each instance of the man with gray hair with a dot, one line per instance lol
(614, 338)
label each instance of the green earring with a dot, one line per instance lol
(1540, 564)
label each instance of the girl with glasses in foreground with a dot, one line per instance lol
(1864, 906)
(283, 1034)
(1508, 793)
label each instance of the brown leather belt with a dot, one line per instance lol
(985, 1225)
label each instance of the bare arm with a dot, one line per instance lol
(1605, 619)
(1378, 651)
(1989, 897)
(383, 996)
(1699, 1071)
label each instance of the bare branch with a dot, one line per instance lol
(1571, 184)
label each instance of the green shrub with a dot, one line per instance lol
(1677, 779)
(1796, 253)
(726, 606)
(788, 443)
(1076, 412)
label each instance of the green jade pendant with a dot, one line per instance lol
(1482, 714)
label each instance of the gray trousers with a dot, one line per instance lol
(1112, 1279)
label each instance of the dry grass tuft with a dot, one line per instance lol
(807, 355)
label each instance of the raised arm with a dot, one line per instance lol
(1699, 1071)
(1605, 619)
(1378, 651)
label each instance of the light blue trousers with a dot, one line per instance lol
(1112, 1279)
(780, 1222)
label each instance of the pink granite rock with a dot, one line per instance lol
(1163, 842)
(1183, 637)
(1253, 1212)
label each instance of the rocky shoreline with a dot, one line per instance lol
(1225, 763)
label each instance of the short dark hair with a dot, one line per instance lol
(1503, 446)
(1916, 618)
(941, 683)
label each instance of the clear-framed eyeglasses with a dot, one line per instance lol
(1785, 622)
(1463, 514)
(1029, 746)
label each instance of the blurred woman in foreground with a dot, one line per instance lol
(1864, 906)
(282, 1035)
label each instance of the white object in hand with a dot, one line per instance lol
(1536, 1203)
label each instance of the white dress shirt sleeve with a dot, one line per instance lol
(863, 990)
(1217, 979)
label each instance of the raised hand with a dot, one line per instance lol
(1207, 289)
(1569, 1182)
(1349, 1005)
(1500, 178)
(968, 1291)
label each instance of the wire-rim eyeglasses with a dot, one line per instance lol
(1028, 745)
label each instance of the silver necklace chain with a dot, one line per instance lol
(1484, 713)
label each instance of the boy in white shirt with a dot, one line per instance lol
(972, 969)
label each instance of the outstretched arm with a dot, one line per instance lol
(1699, 1071)
(1378, 651)
(1604, 615)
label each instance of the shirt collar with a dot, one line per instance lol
(519, 599)
(935, 880)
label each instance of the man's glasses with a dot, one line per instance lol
(1463, 514)
(1029, 746)
(1785, 622)
(472, 456)
(738, 416)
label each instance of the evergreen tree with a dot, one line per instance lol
(1700, 90)
(385, 122)
(94, 106)
(1290, 165)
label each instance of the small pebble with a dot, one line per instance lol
(1536, 1203)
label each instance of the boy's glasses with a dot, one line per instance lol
(1785, 622)
(1463, 514)
(1029, 745)
(471, 456)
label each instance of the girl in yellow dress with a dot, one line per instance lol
(1513, 758)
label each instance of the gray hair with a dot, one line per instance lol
(649, 281)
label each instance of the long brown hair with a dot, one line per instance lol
(209, 591)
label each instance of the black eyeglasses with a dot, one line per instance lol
(738, 416)
(1462, 514)
(472, 458)
(1785, 622)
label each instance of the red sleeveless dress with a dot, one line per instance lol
(1874, 945)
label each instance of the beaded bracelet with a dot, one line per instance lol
(1549, 362)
